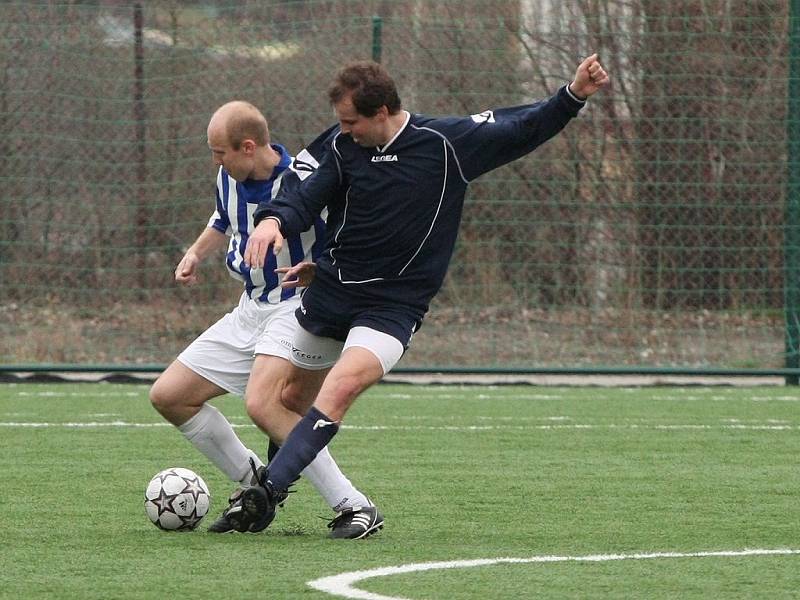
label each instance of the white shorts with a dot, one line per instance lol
(314, 352)
(224, 353)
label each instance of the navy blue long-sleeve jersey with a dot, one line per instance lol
(394, 211)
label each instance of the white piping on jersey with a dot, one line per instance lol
(338, 155)
(396, 135)
(344, 220)
(336, 239)
(436, 216)
(445, 145)
(449, 145)
(359, 281)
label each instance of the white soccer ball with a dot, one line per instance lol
(176, 499)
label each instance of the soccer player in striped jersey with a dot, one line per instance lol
(394, 185)
(247, 351)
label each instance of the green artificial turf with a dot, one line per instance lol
(460, 473)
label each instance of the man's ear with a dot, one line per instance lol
(249, 146)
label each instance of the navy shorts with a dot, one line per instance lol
(330, 309)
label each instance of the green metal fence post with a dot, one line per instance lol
(377, 30)
(792, 206)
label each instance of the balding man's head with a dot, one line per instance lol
(238, 121)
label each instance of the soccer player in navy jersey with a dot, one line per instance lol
(393, 184)
(247, 351)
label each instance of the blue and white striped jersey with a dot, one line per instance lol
(235, 204)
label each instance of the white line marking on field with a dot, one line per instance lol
(777, 398)
(571, 426)
(85, 425)
(79, 394)
(342, 584)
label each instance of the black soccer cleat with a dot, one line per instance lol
(224, 524)
(255, 508)
(356, 523)
(251, 509)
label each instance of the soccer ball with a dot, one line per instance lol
(176, 499)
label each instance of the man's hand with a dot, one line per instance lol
(589, 78)
(300, 275)
(266, 234)
(186, 271)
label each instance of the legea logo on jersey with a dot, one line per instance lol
(486, 116)
(385, 158)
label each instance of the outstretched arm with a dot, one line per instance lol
(590, 76)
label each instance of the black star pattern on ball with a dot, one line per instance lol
(193, 487)
(191, 521)
(163, 502)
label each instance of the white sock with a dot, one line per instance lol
(326, 477)
(211, 433)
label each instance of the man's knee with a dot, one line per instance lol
(348, 387)
(357, 370)
(276, 384)
(161, 396)
(262, 396)
(256, 403)
(179, 388)
(342, 392)
(295, 397)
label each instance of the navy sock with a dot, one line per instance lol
(272, 450)
(308, 437)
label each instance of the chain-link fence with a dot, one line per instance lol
(652, 232)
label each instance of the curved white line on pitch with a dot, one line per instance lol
(342, 584)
